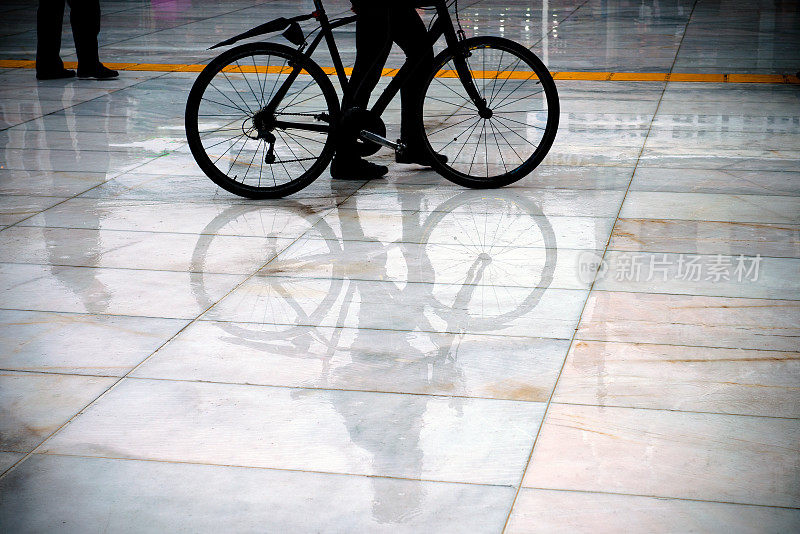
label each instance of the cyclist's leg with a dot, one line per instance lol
(409, 32)
(372, 48)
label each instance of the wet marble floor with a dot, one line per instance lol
(608, 345)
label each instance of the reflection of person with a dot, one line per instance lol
(379, 25)
(84, 17)
(64, 254)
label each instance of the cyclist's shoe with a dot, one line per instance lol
(356, 169)
(57, 74)
(417, 156)
(99, 72)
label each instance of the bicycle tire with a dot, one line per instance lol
(245, 65)
(437, 109)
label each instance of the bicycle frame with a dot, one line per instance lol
(442, 26)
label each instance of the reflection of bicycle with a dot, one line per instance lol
(491, 259)
(261, 118)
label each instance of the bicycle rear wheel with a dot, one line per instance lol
(266, 155)
(500, 147)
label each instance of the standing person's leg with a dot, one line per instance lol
(372, 48)
(84, 16)
(49, 17)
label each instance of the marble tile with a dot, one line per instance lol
(79, 344)
(34, 405)
(95, 290)
(46, 183)
(430, 438)
(584, 203)
(439, 227)
(405, 306)
(139, 250)
(15, 208)
(711, 207)
(703, 237)
(505, 256)
(728, 458)
(743, 159)
(238, 218)
(573, 512)
(671, 377)
(361, 359)
(76, 494)
(691, 320)
(137, 186)
(697, 274)
(7, 459)
(100, 160)
(723, 181)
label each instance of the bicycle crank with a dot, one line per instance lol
(380, 140)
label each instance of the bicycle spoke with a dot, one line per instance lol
(478, 144)
(300, 144)
(494, 83)
(520, 122)
(516, 133)
(237, 106)
(250, 111)
(255, 97)
(220, 104)
(226, 150)
(455, 158)
(456, 137)
(504, 82)
(258, 79)
(255, 153)
(234, 160)
(521, 160)
(275, 84)
(496, 107)
(225, 140)
(452, 125)
(290, 148)
(499, 150)
(459, 95)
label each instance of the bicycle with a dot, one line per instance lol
(273, 102)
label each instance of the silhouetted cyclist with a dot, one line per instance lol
(381, 23)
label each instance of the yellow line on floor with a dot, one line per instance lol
(489, 74)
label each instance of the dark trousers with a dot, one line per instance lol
(84, 17)
(379, 25)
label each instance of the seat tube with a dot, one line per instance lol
(322, 17)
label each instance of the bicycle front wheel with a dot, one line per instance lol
(247, 151)
(501, 146)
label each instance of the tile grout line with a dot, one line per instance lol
(591, 289)
(390, 392)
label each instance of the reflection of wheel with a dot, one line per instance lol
(247, 146)
(502, 145)
(486, 252)
(282, 313)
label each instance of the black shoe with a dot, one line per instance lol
(356, 169)
(55, 74)
(100, 72)
(417, 156)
